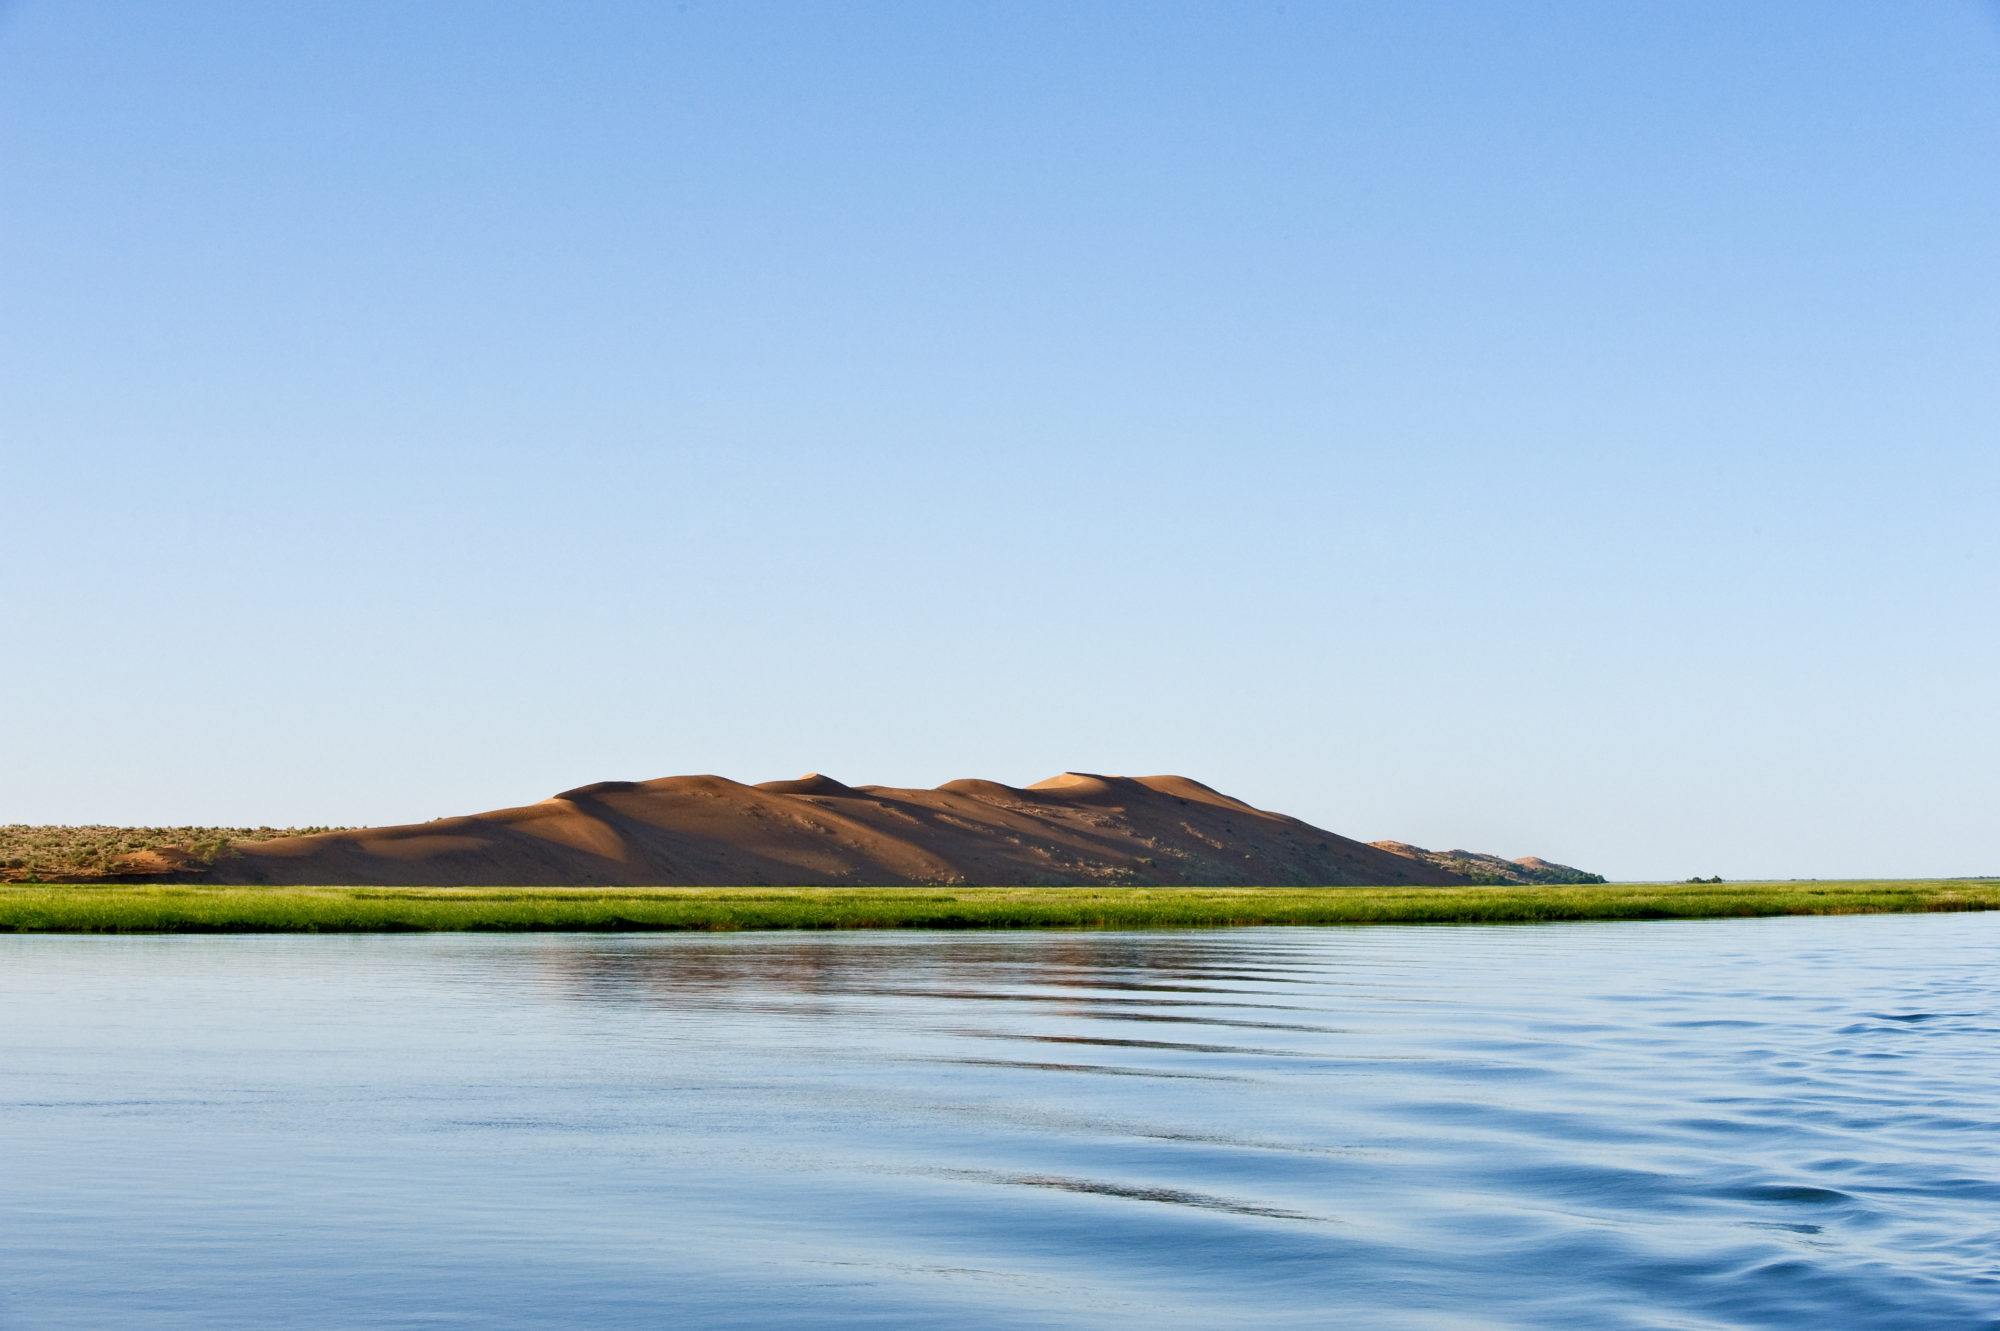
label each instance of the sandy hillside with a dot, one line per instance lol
(1473, 866)
(705, 830)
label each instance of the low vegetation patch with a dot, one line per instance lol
(195, 908)
(28, 853)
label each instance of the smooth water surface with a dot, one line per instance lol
(1754, 1123)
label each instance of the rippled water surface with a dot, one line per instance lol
(1755, 1123)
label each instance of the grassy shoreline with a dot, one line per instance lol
(185, 908)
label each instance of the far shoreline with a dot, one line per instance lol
(157, 908)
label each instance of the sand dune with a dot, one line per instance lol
(1480, 868)
(1076, 828)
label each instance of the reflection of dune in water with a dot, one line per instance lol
(1081, 973)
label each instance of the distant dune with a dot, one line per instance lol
(1474, 867)
(1073, 829)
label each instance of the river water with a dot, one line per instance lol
(1746, 1123)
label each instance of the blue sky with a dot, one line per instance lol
(1564, 429)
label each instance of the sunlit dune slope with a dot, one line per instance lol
(1075, 828)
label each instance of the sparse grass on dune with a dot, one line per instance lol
(31, 852)
(147, 908)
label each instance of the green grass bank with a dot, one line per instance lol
(180, 908)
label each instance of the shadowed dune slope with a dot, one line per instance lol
(698, 831)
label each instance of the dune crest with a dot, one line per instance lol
(1076, 828)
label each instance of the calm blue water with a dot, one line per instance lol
(1759, 1123)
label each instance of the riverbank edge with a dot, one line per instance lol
(195, 908)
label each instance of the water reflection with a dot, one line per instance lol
(1744, 1123)
(994, 966)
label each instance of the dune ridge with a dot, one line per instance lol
(1076, 828)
